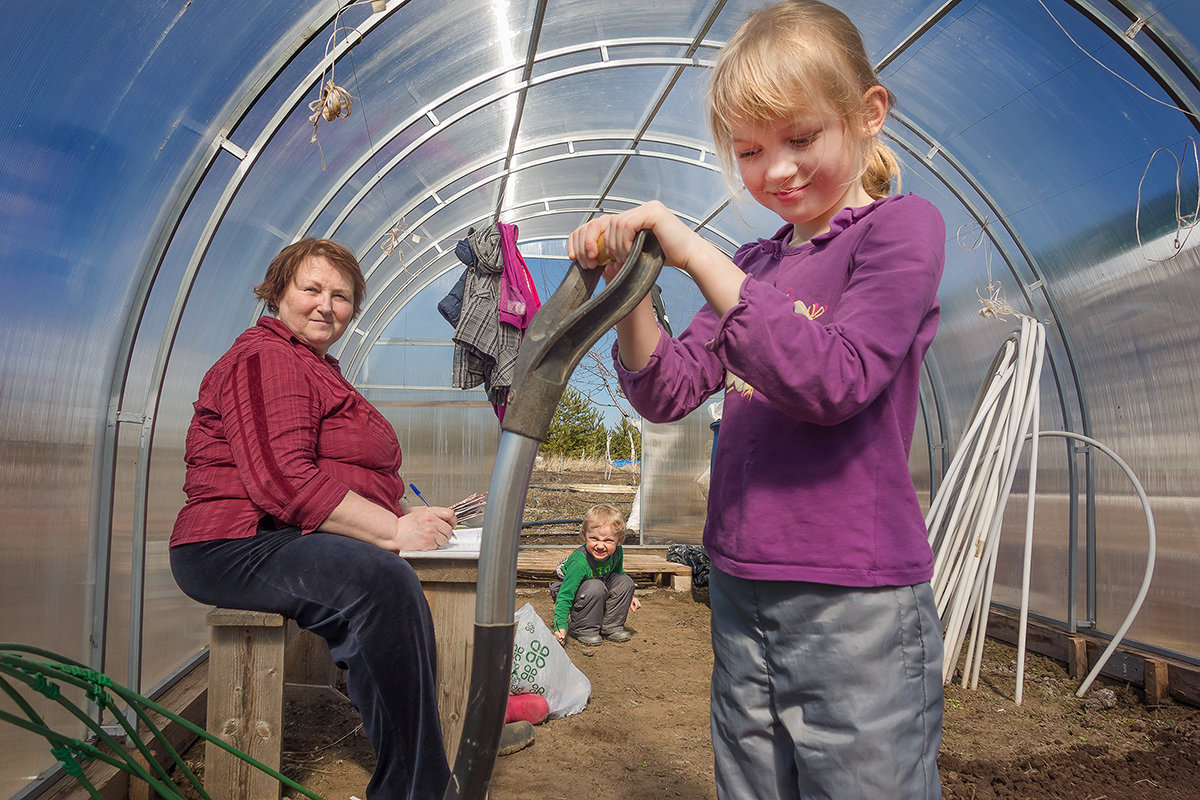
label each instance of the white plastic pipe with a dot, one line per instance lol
(965, 517)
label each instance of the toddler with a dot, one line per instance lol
(595, 596)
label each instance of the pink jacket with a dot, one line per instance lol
(518, 297)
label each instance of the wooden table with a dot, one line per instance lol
(449, 585)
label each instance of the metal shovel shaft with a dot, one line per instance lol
(563, 330)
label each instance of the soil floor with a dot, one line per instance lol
(645, 731)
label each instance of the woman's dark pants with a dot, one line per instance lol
(368, 605)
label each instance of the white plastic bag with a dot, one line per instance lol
(541, 666)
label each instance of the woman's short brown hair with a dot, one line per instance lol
(283, 269)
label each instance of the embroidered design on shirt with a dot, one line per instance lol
(735, 384)
(812, 312)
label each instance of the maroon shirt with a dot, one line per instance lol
(278, 432)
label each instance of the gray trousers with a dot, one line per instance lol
(601, 605)
(825, 692)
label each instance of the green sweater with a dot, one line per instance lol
(579, 567)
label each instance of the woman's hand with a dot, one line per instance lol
(424, 528)
(418, 528)
(561, 635)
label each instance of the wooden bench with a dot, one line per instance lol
(252, 654)
(537, 566)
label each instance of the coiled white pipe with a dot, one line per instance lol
(1152, 550)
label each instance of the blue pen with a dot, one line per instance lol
(417, 492)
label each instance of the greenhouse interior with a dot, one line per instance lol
(158, 155)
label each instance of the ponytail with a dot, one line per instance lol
(880, 168)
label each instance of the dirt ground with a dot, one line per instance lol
(645, 731)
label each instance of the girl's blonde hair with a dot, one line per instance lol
(599, 515)
(793, 56)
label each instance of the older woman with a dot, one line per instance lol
(294, 506)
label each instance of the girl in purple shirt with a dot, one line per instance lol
(826, 641)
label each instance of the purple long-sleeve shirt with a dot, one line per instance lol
(820, 361)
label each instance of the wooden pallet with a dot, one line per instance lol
(535, 567)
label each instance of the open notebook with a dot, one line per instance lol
(464, 544)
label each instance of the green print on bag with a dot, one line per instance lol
(540, 665)
(528, 663)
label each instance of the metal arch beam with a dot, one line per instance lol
(448, 202)
(394, 304)
(1177, 94)
(484, 102)
(107, 461)
(104, 463)
(917, 32)
(435, 191)
(535, 35)
(1184, 101)
(1026, 256)
(697, 42)
(202, 162)
(1181, 62)
(429, 110)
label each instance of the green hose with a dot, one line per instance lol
(49, 676)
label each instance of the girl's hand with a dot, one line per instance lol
(677, 240)
(635, 604)
(561, 635)
(424, 528)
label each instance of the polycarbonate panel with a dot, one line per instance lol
(571, 22)
(593, 103)
(675, 471)
(449, 445)
(678, 185)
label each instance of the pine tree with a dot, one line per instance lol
(576, 428)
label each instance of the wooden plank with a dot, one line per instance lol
(539, 565)
(1004, 626)
(138, 788)
(1185, 683)
(1158, 676)
(452, 604)
(245, 706)
(219, 617)
(1077, 657)
(1155, 681)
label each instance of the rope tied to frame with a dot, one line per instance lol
(391, 243)
(334, 103)
(973, 238)
(1184, 223)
